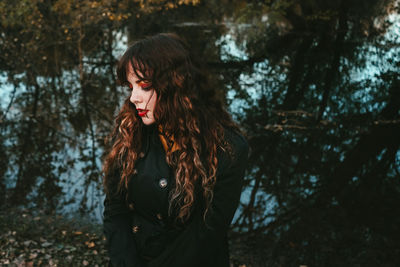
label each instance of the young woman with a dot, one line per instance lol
(173, 176)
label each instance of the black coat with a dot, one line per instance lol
(139, 231)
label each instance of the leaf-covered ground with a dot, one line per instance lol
(28, 239)
(36, 239)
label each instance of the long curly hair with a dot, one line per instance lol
(187, 109)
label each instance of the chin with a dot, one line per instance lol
(147, 121)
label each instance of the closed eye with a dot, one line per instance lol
(145, 85)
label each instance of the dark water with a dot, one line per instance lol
(314, 84)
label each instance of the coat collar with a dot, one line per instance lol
(167, 140)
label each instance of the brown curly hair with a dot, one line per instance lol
(187, 109)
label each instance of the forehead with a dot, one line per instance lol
(130, 73)
(138, 69)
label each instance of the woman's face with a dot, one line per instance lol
(143, 96)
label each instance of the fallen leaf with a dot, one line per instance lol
(27, 243)
(90, 244)
(46, 244)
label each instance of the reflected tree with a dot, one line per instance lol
(324, 128)
(313, 83)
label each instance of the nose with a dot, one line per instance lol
(135, 96)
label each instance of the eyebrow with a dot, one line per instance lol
(138, 80)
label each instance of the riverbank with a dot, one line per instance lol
(38, 239)
(29, 239)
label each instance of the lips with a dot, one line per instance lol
(142, 112)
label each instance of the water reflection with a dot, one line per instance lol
(314, 85)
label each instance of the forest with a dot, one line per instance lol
(314, 84)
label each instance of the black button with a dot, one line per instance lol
(135, 229)
(163, 183)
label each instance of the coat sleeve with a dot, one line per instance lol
(118, 232)
(205, 243)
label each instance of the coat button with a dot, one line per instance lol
(135, 229)
(159, 216)
(141, 155)
(131, 206)
(163, 182)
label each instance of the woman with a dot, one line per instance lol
(174, 174)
